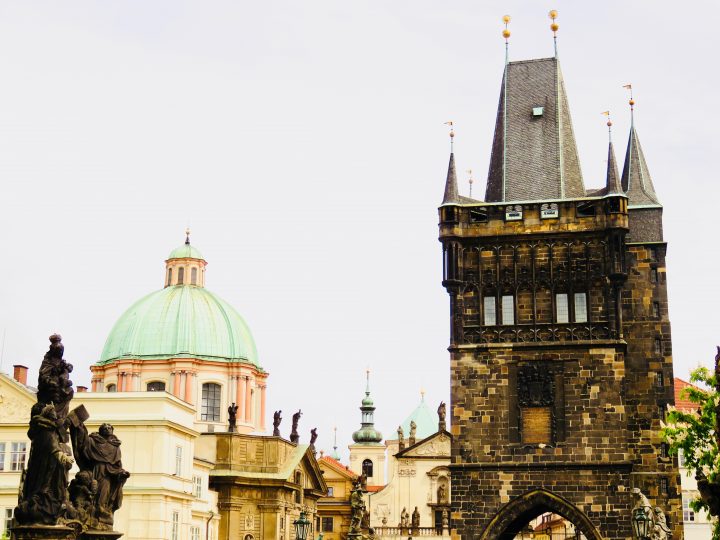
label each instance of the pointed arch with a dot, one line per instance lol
(518, 512)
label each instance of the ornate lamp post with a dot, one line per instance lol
(302, 526)
(641, 523)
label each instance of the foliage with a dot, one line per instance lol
(694, 434)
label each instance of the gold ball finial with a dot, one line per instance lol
(609, 123)
(506, 19)
(553, 14)
(452, 133)
(506, 33)
(631, 102)
(554, 27)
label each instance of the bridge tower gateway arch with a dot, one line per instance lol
(560, 348)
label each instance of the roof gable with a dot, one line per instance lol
(337, 469)
(434, 446)
(15, 401)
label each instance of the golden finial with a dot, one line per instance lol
(631, 102)
(554, 27)
(506, 32)
(422, 394)
(609, 123)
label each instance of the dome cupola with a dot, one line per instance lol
(185, 265)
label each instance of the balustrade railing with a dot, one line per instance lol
(386, 533)
(538, 333)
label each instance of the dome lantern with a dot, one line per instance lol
(367, 434)
(185, 265)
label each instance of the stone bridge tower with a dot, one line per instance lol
(561, 366)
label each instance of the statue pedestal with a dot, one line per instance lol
(100, 535)
(355, 536)
(42, 532)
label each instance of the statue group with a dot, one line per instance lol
(47, 499)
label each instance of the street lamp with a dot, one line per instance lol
(642, 523)
(302, 527)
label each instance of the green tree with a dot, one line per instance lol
(695, 433)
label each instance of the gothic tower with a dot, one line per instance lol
(560, 349)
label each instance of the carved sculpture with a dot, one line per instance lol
(54, 384)
(277, 418)
(416, 521)
(659, 529)
(313, 438)
(99, 454)
(43, 494)
(404, 518)
(442, 426)
(413, 429)
(357, 510)
(401, 438)
(232, 418)
(441, 493)
(294, 435)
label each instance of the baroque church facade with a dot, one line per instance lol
(560, 345)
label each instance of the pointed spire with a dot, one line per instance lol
(335, 454)
(636, 180)
(612, 179)
(451, 188)
(534, 154)
(367, 434)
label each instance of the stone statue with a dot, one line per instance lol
(43, 491)
(442, 426)
(416, 521)
(404, 518)
(294, 435)
(441, 493)
(445, 520)
(277, 418)
(413, 429)
(54, 384)
(313, 438)
(232, 418)
(357, 510)
(83, 491)
(98, 454)
(401, 438)
(659, 529)
(365, 521)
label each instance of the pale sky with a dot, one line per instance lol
(303, 143)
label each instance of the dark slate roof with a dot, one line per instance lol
(612, 182)
(451, 187)
(533, 157)
(636, 181)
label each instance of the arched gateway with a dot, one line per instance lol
(517, 513)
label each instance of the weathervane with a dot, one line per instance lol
(506, 35)
(631, 102)
(609, 124)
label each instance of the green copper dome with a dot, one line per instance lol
(185, 251)
(426, 421)
(181, 321)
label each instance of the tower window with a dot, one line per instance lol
(508, 309)
(111, 388)
(658, 346)
(169, 281)
(193, 275)
(656, 309)
(210, 410)
(367, 468)
(181, 275)
(653, 275)
(581, 314)
(664, 488)
(156, 386)
(562, 314)
(489, 311)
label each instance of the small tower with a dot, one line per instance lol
(367, 455)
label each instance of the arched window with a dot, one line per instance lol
(181, 275)
(169, 282)
(193, 275)
(156, 386)
(367, 468)
(111, 388)
(210, 410)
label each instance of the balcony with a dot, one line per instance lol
(538, 333)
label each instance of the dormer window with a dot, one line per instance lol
(193, 276)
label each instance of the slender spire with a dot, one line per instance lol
(636, 180)
(367, 434)
(451, 188)
(506, 34)
(335, 454)
(470, 181)
(554, 27)
(187, 236)
(612, 179)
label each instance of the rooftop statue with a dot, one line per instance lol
(232, 418)
(294, 435)
(277, 418)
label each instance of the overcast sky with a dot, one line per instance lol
(303, 143)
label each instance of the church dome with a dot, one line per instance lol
(425, 420)
(182, 320)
